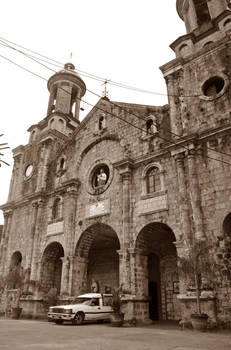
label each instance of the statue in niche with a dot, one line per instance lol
(94, 286)
(101, 178)
(152, 124)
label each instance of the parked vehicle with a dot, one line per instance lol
(86, 307)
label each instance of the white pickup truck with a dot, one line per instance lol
(86, 307)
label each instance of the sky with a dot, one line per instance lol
(120, 40)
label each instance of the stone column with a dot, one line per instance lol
(37, 271)
(65, 276)
(32, 233)
(77, 104)
(124, 255)
(183, 197)
(133, 268)
(125, 171)
(180, 248)
(43, 166)
(78, 275)
(5, 238)
(36, 241)
(51, 102)
(14, 174)
(195, 195)
(173, 101)
(126, 182)
(17, 178)
(69, 214)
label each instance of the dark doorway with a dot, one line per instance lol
(154, 286)
(153, 303)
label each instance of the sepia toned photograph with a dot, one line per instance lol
(115, 169)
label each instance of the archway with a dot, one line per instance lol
(227, 226)
(51, 268)
(157, 275)
(97, 259)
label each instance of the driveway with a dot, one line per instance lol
(33, 335)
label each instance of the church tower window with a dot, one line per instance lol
(101, 122)
(153, 182)
(213, 86)
(202, 11)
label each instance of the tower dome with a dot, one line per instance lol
(66, 90)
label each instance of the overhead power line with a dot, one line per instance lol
(114, 115)
(89, 75)
(52, 70)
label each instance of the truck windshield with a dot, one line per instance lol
(85, 301)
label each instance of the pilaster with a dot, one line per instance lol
(38, 212)
(5, 238)
(70, 195)
(183, 197)
(35, 206)
(65, 276)
(195, 195)
(173, 102)
(43, 166)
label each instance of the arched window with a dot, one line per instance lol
(57, 208)
(62, 164)
(153, 182)
(102, 122)
(61, 125)
(52, 122)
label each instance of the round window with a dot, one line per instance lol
(29, 170)
(213, 86)
(100, 176)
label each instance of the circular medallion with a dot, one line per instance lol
(99, 177)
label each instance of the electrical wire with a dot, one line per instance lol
(92, 76)
(35, 60)
(114, 115)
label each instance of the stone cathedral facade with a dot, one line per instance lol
(118, 197)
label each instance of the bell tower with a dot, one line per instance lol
(198, 15)
(198, 79)
(66, 90)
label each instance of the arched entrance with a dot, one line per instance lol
(157, 275)
(97, 259)
(51, 268)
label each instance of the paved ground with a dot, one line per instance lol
(41, 335)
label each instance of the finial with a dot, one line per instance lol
(105, 93)
(69, 65)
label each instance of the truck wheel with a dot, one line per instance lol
(59, 321)
(79, 317)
